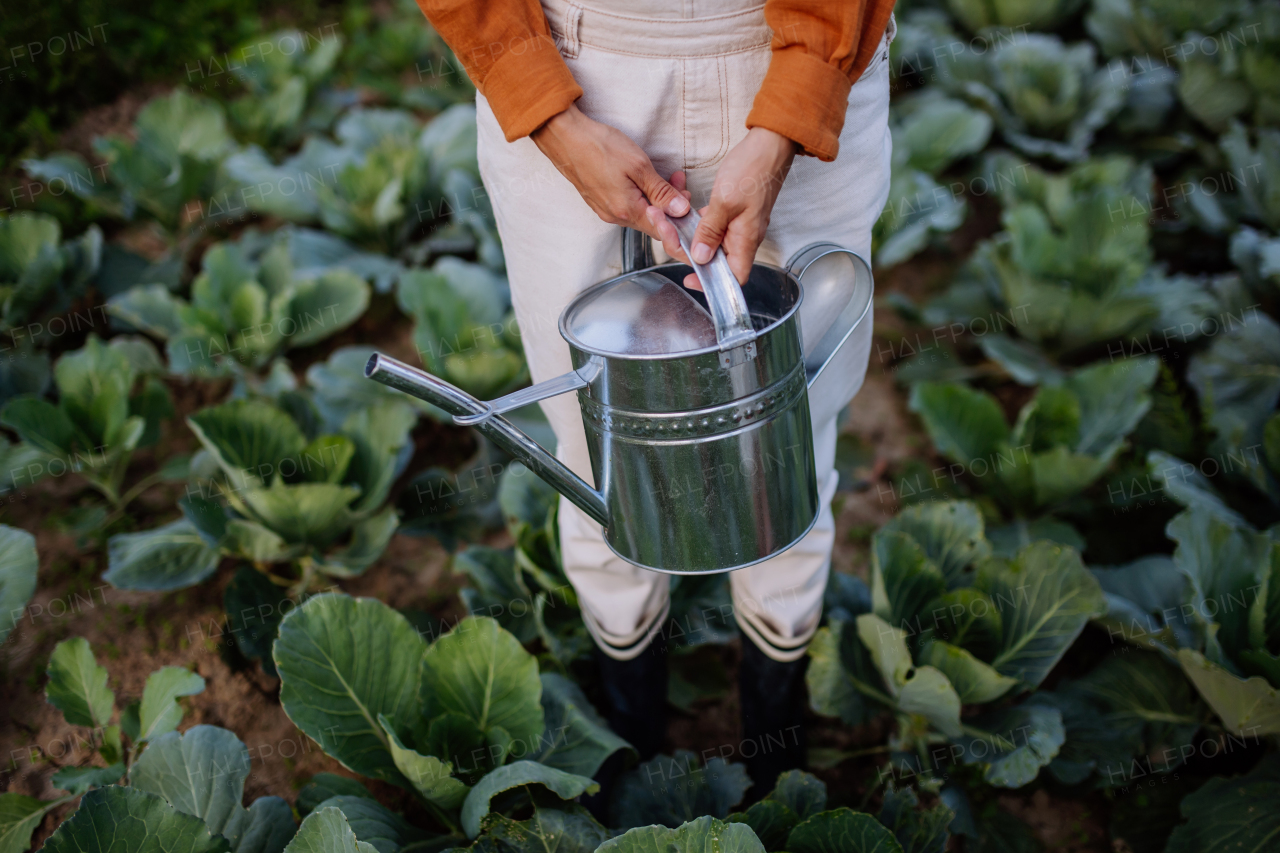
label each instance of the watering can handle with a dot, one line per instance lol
(499, 430)
(851, 313)
(724, 294)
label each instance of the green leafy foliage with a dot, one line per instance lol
(383, 178)
(200, 773)
(1218, 86)
(109, 405)
(276, 494)
(168, 169)
(1238, 380)
(462, 722)
(935, 641)
(520, 773)
(243, 313)
(842, 829)
(464, 331)
(116, 820)
(335, 690)
(1064, 438)
(977, 15)
(1047, 98)
(931, 133)
(1225, 641)
(1129, 708)
(1230, 814)
(796, 797)
(1147, 26)
(1072, 268)
(674, 789)
(78, 686)
(284, 76)
(704, 833)
(41, 277)
(18, 565)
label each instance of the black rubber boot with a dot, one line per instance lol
(773, 700)
(636, 707)
(636, 697)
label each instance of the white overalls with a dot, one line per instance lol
(680, 87)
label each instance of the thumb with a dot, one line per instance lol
(661, 194)
(711, 230)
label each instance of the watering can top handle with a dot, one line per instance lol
(851, 313)
(724, 294)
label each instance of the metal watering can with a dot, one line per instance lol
(696, 406)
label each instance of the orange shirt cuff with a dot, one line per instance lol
(529, 84)
(805, 99)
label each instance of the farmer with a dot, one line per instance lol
(773, 115)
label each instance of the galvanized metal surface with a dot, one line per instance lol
(703, 458)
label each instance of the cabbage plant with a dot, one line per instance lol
(167, 170)
(931, 132)
(279, 490)
(1048, 99)
(456, 721)
(1151, 27)
(1133, 706)
(183, 788)
(793, 817)
(382, 55)
(1072, 268)
(1204, 619)
(464, 329)
(41, 276)
(283, 75)
(923, 36)
(1257, 256)
(1237, 379)
(947, 625)
(243, 312)
(1255, 166)
(1064, 438)
(383, 179)
(1232, 73)
(1224, 808)
(1212, 609)
(110, 403)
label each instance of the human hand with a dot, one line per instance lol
(612, 174)
(742, 197)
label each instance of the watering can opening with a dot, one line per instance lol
(650, 314)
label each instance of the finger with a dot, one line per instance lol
(660, 194)
(711, 230)
(680, 180)
(666, 232)
(637, 215)
(741, 252)
(692, 283)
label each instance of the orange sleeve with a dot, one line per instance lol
(505, 46)
(820, 48)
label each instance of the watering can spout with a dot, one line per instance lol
(485, 417)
